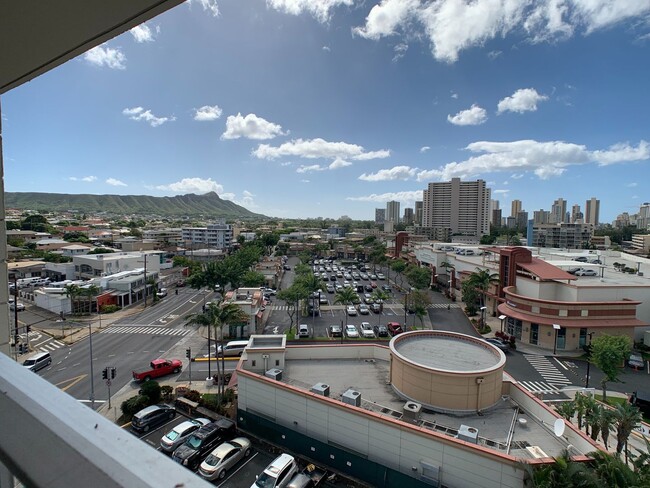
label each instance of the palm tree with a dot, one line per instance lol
(73, 292)
(606, 421)
(594, 419)
(563, 473)
(482, 280)
(580, 403)
(612, 471)
(217, 315)
(345, 296)
(628, 417)
(567, 410)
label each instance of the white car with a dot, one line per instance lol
(351, 331)
(175, 437)
(363, 309)
(366, 330)
(351, 310)
(224, 457)
(380, 276)
(586, 272)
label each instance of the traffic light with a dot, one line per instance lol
(28, 328)
(113, 372)
(23, 348)
(105, 373)
(188, 353)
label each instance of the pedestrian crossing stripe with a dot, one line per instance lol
(130, 329)
(547, 370)
(53, 345)
(539, 387)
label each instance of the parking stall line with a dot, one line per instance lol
(238, 469)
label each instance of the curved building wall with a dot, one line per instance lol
(469, 381)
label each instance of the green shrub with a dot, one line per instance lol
(211, 401)
(167, 392)
(193, 396)
(151, 389)
(133, 405)
(109, 308)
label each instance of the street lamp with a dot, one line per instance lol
(92, 375)
(502, 318)
(483, 309)
(590, 334)
(556, 327)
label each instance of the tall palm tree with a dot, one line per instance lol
(628, 417)
(345, 297)
(606, 421)
(482, 280)
(612, 471)
(73, 292)
(217, 315)
(567, 410)
(580, 403)
(563, 473)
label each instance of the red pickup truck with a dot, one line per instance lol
(159, 367)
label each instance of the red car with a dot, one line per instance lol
(394, 328)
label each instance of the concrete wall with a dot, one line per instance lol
(369, 436)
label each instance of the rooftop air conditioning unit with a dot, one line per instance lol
(321, 389)
(468, 434)
(411, 411)
(275, 374)
(351, 397)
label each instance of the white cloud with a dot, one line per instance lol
(326, 48)
(494, 54)
(210, 6)
(339, 163)
(544, 159)
(517, 176)
(317, 148)
(311, 168)
(400, 196)
(142, 33)
(304, 181)
(207, 113)
(320, 10)
(523, 100)
(394, 173)
(400, 50)
(250, 127)
(452, 26)
(114, 182)
(454, 95)
(384, 19)
(424, 149)
(500, 192)
(140, 114)
(472, 116)
(86, 179)
(193, 185)
(286, 163)
(632, 185)
(106, 56)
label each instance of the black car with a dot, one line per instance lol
(200, 443)
(152, 416)
(380, 330)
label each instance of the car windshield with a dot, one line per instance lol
(173, 435)
(212, 460)
(194, 442)
(266, 481)
(29, 362)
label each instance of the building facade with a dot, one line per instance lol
(460, 206)
(515, 208)
(393, 212)
(558, 211)
(216, 236)
(592, 211)
(569, 236)
(418, 213)
(380, 216)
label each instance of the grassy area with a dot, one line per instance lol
(613, 401)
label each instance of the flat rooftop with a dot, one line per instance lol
(445, 353)
(370, 378)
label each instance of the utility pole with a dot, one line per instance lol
(145, 281)
(16, 317)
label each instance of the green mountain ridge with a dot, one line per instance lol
(209, 204)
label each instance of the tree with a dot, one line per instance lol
(73, 292)
(627, 418)
(37, 223)
(609, 353)
(345, 297)
(217, 315)
(398, 266)
(101, 250)
(607, 419)
(566, 410)
(418, 277)
(420, 301)
(270, 241)
(482, 279)
(292, 297)
(252, 278)
(563, 473)
(89, 292)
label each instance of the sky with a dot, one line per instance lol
(306, 108)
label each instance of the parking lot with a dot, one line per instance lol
(244, 473)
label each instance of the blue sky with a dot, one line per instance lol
(299, 108)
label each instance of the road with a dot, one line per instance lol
(127, 344)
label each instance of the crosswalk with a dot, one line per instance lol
(144, 329)
(51, 345)
(553, 377)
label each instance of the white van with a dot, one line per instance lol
(39, 361)
(233, 348)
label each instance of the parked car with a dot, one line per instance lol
(380, 276)
(367, 298)
(586, 272)
(367, 288)
(224, 458)
(162, 293)
(387, 288)
(376, 307)
(17, 306)
(303, 330)
(199, 443)
(335, 331)
(636, 361)
(573, 270)
(287, 267)
(152, 416)
(373, 284)
(495, 341)
(330, 288)
(366, 330)
(363, 309)
(351, 310)
(175, 437)
(380, 331)
(351, 331)
(394, 328)
(582, 259)
(278, 474)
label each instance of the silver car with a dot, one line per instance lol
(175, 437)
(224, 457)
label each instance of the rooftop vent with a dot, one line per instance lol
(411, 411)
(467, 433)
(321, 389)
(351, 397)
(275, 374)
